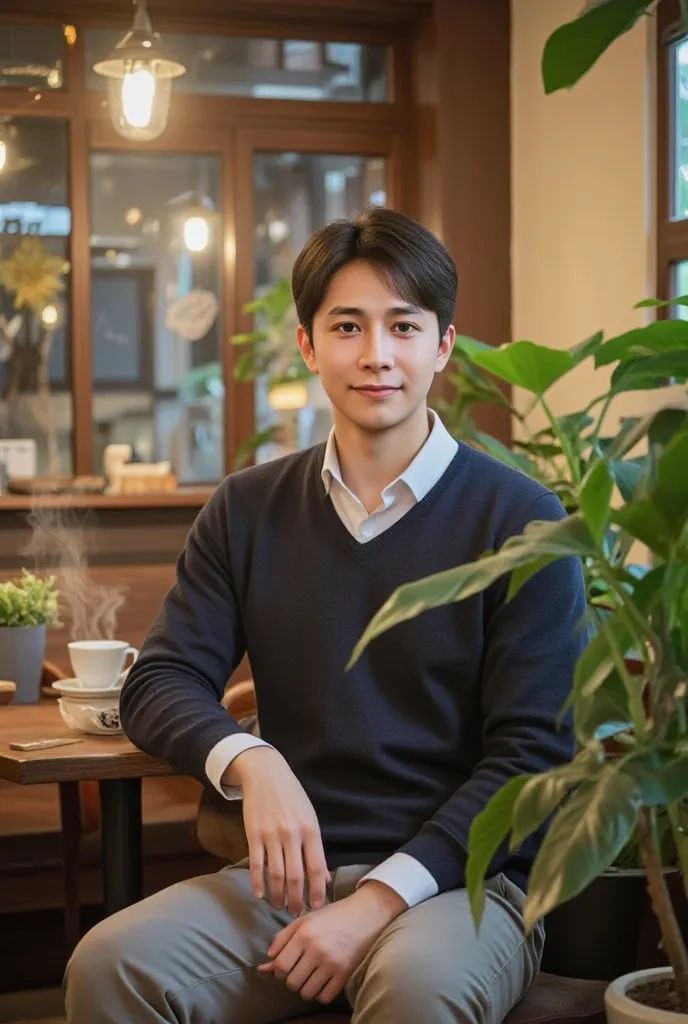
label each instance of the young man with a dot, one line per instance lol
(358, 799)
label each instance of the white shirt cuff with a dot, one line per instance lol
(221, 756)
(407, 876)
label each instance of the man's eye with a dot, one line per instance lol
(348, 327)
(403, 327)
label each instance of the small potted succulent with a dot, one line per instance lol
(28, 605)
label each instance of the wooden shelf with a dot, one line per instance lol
(184, 497)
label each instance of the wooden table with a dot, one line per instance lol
(115, 763)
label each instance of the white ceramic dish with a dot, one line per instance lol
(75, 688)
(95, 717)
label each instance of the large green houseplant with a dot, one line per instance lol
(608, 791)
(611, 790)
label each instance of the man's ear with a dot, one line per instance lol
(445, 350)
(306, 348)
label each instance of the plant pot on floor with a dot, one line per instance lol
(596, 934)
(622, 1009)
(22, 651)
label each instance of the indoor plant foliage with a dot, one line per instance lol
(609, 790)
(270, 354)
(29, 601)
(28, 605)
(33, 277)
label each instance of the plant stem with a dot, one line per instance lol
(672, 940)
(598, 426)
(572, 462)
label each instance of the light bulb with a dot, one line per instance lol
(3, 154)
(49, 315)
(196, 233)
(138, 96)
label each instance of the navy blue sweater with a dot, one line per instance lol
(401, 752)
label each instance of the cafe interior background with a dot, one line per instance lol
(140, 217)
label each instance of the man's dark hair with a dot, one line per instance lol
(411, 260)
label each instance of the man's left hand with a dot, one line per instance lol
(317, 954)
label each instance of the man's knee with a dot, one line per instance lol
(408, 981)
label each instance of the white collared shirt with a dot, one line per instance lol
(401, 872)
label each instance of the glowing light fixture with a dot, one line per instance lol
(4, 148)
(50, 316)
(139, 73)
(196, 233)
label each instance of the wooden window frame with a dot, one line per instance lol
(672, 232)
(232, 128)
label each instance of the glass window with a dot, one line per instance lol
(679, 55)
(31, 55)
(279, 69)
(294, 195)
(156, 248)
(681, 288)
(35, 228)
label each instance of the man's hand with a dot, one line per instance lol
(282, 829)
(317, 954)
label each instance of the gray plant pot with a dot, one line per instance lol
(22, 650)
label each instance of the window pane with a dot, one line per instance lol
(265, 68)
(156, 331)
(681, 288)
(680, 156)
(294, 195)
(31, 56)
(35, 227)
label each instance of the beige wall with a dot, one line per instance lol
(583, 196)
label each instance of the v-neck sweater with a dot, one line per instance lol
(401, 752)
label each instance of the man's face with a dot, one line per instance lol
(375, 353)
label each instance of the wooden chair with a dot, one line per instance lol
(551, 1000)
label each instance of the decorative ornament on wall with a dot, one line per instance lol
(193, 314)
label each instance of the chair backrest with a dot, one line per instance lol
(220, 822)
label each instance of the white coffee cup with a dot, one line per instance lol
(100, 663)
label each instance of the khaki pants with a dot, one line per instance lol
(188, 954)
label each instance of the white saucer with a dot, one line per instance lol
(75, 688)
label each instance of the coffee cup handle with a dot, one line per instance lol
(133, 651)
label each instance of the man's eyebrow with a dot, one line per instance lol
(355, 311)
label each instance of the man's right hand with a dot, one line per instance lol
(282, 830)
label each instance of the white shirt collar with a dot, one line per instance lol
(420, 476)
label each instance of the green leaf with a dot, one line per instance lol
(506, 455)
(661, 776)
(647, 372)
(595, 496)
(575, 47)
(543, 793)
(586, 348)
(250, 446)
(569, 536)
(643, 520)
(574, 423)
(680, 300)
(670, 491)
(249, 339)
(666, 424)
(628, 475)
(583, 839)
(488, 831)
(657, 337)
(530, 366)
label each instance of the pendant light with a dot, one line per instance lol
(4, 146)
(139, 74)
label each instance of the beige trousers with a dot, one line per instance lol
(188, 954)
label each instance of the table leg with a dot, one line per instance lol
(122, 856)
(70, 813)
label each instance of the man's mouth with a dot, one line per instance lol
(376, 390)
